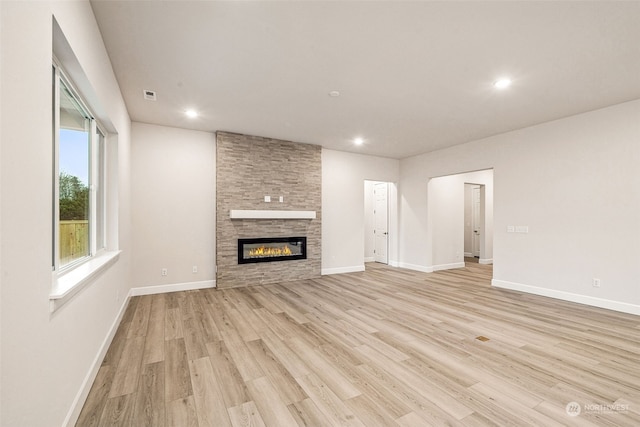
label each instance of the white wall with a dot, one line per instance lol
(174, 211)
(446, 214)
(343, 176)
(575, 182)
(46, 357)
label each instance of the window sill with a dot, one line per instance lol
(66, 285)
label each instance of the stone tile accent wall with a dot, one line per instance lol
(249, 168)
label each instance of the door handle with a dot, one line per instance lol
(385, 233)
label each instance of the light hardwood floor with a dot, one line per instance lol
(384, 347)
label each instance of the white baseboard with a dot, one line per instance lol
(81, 397)
(568, 296)
(341, 270)
(448, 266)
(390, 263)
(415, 267)
(173, 287)
(468, 255)
(369, 259)
(430, 269)
(485, 261)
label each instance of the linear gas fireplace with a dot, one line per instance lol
(269, 249)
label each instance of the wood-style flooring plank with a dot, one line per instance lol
(385, 346)
(154, 344)
(246, 415)
(140, 320)
(112, 358)
(272, 409)
(205, 323)
(245, 361)
(439, 394)
(128, 371)
(242, 324)
(195, 335)
(307, 414)
(430, 413)
(210, 406)
(369, 412)
(150, 405)
(286, 386)
(172, 323)
(118, 411)
(334, 408)
(234, 389)
(336, 380)
(97, 399)
(182, 412)
(176, 371)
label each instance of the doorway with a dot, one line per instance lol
(472, 221)
(460, 215)
(377, 222)
(381, 222)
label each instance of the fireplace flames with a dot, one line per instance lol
(269, 251)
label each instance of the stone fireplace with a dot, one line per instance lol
(267, 191)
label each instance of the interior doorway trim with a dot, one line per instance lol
(380, 222)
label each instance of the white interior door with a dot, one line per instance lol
(475, 221)
(381, 227)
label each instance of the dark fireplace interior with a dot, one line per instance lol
(270, 249)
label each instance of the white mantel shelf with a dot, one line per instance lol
(271, 214)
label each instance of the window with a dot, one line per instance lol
(79, 178)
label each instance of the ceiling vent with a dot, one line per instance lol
(149, 95)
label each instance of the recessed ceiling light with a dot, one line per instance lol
(334, 93)
(192, 114)
(358, 141)
(502, 83)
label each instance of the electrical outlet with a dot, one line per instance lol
(164, 272)
(194, 269)
(596, 282)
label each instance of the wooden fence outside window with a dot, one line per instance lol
(74, 240)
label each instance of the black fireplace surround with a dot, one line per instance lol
(270, 249)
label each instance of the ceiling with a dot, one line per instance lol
(413, 76)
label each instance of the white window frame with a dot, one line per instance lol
(72, 277)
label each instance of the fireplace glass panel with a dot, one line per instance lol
(269, 249)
